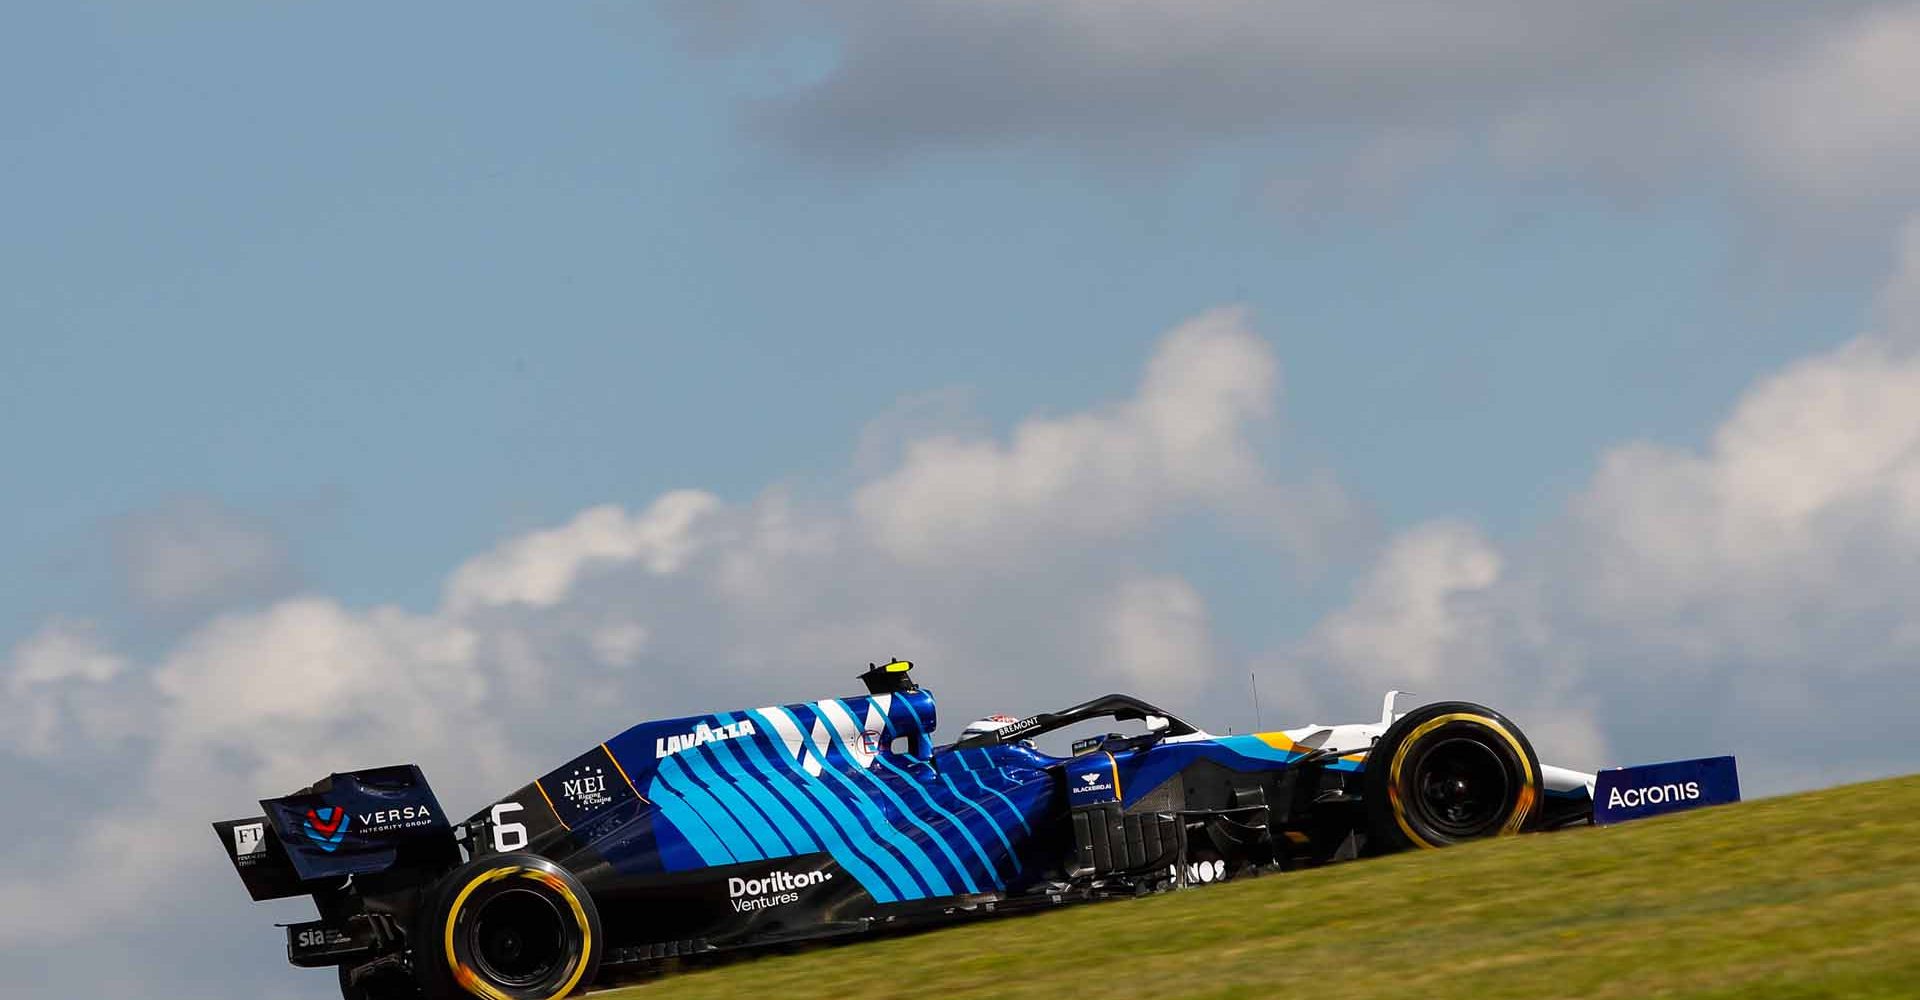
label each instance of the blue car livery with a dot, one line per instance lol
(787, 822)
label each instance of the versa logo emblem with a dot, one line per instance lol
(327, 827)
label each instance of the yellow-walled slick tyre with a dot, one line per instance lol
(507, 927)
(1449, 772)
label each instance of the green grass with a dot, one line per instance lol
(1814, 895)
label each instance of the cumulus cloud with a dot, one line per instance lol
(53, 682)
(1412, 607)
(1814, 100)
(1155, 633)
(1441, 616)
(1747, 596)
(1012, 593)
(1836, 119)
(1688, 600)
(1181, 441)
(250, 704)
(539, 569)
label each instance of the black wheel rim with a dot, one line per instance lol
(519, 938)
(1460, 787)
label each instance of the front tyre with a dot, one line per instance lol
(508, 927)
(1446, 773)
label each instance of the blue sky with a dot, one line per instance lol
(348, 278)
(316, 319)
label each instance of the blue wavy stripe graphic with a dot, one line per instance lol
(718, 819)
(986, 862)
(842, 773)
(729, 761)
(893, 806)
(992, 824)
(768, 749)
(1018, 813)
(908, 860)
(699, 766)
(688, 824)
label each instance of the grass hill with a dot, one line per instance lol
(1814, 895)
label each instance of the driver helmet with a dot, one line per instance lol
(983, 727)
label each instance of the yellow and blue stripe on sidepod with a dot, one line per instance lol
(1145, 770)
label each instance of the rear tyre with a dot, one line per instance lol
(1449, 772)
(508, 927)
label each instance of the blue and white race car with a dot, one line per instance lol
(684, 836)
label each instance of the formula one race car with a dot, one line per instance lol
(782, 823)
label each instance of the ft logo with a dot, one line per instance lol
(249, 839)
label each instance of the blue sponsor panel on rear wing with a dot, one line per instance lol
(356, 822)
(1624, 793)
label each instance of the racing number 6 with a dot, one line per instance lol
(508, 836)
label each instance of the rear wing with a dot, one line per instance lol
(259, 858)
(357, 823)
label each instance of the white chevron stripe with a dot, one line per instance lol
(821, 738)
(789, 733)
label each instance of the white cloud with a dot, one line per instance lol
(1689, 601)
(1156, 635)
(1180, 443)
(1408, 614)
(1748, 596)
(301, 674)
(249, 705)
(64, 650)
(1838, 119)
(540, 568)
(619, 643)
(1812, 455)
(1441, 616)
(53, 685)
(939, 413)
(561, 636)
